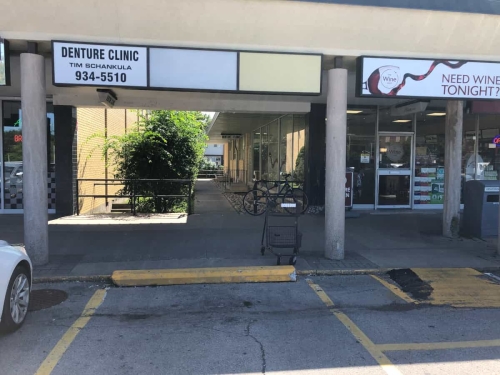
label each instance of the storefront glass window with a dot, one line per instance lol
(395, 124)
(264, 152)
(286, 144)
(469, 157)
(13, 155)
(299, 136)
(361, 155)
(256, 155)
(273, 167)
(488, 158)
(429, 159)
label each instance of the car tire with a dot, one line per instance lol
(8, 324)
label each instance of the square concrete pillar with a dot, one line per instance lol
(35, 192)
(453, 167)
(336, 129)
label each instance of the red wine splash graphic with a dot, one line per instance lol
(373, 81)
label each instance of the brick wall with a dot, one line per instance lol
(93, 125)
(90, 123)
(132, 117)
(116, 126)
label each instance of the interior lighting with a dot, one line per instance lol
(353, 112)
(437, 114)
(402, 121)
(383, 150)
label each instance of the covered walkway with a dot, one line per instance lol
(209, 200)
(217, 236)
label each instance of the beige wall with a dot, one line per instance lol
(93, 124)
(258, 25)
(91, 164)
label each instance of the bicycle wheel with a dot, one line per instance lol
(255, 202)
(296, 196)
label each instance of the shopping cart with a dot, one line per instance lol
(286, 235)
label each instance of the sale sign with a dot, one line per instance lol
(423, 78)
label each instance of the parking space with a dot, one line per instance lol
(24, 351)
(323, 325)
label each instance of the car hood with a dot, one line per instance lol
(6, 248)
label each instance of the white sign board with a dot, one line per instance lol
(193, 69)
(419, 78)
(365, 158)
(82, 64)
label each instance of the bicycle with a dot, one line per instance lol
(255, 202)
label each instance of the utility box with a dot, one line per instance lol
(481, 208)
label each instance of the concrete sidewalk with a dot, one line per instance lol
(98, 246)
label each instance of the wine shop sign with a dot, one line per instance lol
(426, 78)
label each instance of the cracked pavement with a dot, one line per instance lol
(281, 328)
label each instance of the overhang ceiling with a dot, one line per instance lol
(238, 123)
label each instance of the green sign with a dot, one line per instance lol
(437, 192)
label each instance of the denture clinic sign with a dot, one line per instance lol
(425, 78)
(99, 65)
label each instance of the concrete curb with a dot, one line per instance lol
(346, 272)
(215, 275)
(62, 279)
(339, 272)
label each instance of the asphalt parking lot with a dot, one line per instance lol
(319, 325)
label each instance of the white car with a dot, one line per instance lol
(15, 286)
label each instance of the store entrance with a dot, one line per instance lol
(395, 170)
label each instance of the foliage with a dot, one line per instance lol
(164, 145)
(207, 165)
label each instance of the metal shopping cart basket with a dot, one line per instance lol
(281, 229)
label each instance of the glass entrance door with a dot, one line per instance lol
(395, 170)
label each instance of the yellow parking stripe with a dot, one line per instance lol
(394, 289)
(375, 352)
(56, 354)
(440, 345)
(460, 287)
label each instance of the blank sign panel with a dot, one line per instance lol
(193, 69)
(280, 73)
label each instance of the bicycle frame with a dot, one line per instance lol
(282, 191)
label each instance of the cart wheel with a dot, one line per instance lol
(278, 261)
(262, 250)
(293, 260)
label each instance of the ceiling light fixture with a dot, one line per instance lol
(402, 121)
(353, 112)
(437, 114)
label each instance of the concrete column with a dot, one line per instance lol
(336, 127)
(453, 168)
(34, 120)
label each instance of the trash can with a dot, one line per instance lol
(481, 201)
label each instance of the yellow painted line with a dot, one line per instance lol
(394, 289)
(440, 345)
(56, 354)
(373, 349)
(205, 276)
(460, 287)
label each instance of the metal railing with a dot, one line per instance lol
(210, 173)
(232, 176)
(135, 186)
